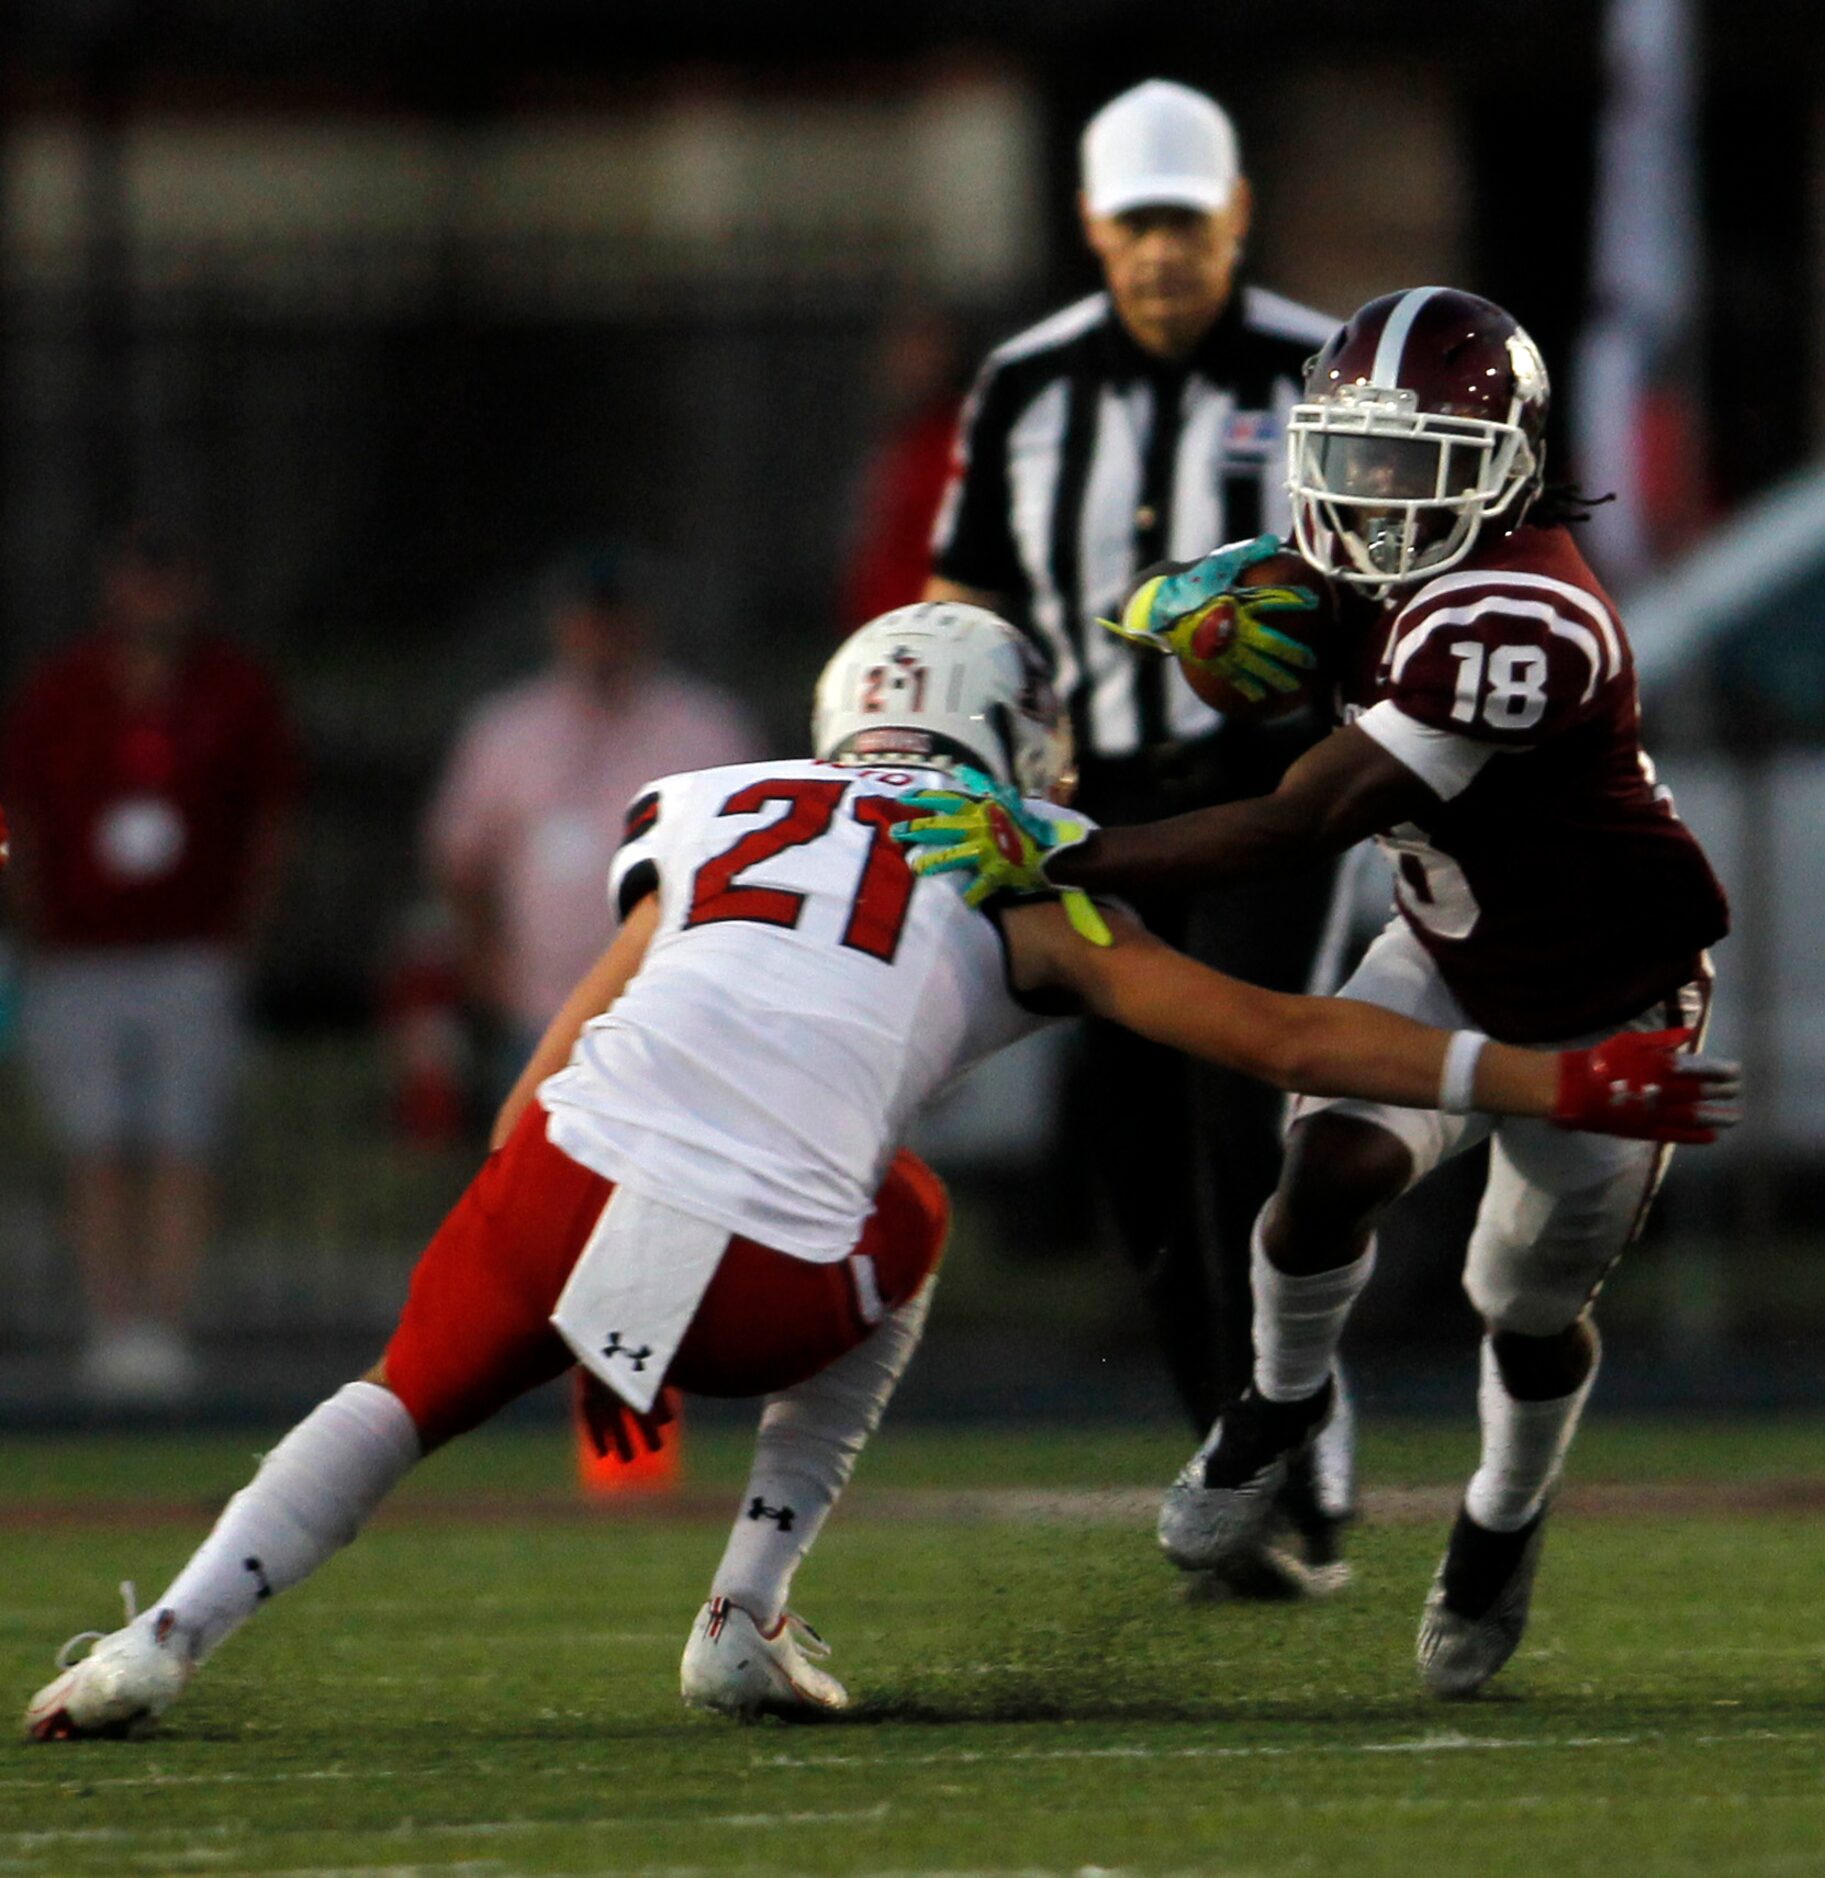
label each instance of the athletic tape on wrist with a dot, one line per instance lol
(1457, 1081)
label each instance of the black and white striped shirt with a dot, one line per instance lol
(1084, 458)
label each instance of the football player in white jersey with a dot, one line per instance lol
(696, 1180)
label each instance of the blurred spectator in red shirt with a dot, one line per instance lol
(150, 773)
(921, 371)
(532, 805)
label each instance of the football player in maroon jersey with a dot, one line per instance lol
(1546, 891)
(779, 1001)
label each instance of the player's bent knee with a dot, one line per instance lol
(1543, 1368)
(1511, 1304)
(1529, 1273)
(428, 1438)
(1340, 1173)
(428, 1435)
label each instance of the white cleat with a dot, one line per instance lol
(1476, 1611)
(120, 1688)
(1220, 1507)
(733, 1666)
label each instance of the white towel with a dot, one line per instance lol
(633, 1291)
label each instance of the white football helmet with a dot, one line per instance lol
(938, 684)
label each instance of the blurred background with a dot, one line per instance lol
(413, 324)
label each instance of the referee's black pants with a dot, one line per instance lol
(1185, 1154)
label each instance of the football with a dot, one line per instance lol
(1315, 628)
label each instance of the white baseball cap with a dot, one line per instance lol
(1159, 143)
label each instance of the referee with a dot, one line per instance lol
(1145, 423)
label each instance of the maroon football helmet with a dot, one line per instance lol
(1422, 422)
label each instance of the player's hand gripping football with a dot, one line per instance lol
(983, 829)
(1642, 1084)
(1194, 611)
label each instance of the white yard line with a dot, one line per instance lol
(1445, 1742)
(1441, 1743)
(472, 1828)
(73, 1777)
(1438, 1743)
(866, 1815)
(461, 1868)
(970, 1506)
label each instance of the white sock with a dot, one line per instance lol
(1524, 1447)
(311, 1496)
(1299, 1321)
(804, 1454)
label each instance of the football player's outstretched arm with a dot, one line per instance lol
(596, 990)
(1637, 1084)
(1340, 791)
(1314, 1046)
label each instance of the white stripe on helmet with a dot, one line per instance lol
(1386, 369)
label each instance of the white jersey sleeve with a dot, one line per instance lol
(803, 996)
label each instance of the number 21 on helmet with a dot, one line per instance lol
(940, 684)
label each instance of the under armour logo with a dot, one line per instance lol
(259, 1571)
(636, 1358)
(1621, 1095)
(783, 1516)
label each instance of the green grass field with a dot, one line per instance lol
(487, 1682)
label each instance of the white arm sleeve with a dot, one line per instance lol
(1445, 762)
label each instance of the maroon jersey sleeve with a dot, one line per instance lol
(1511, 664)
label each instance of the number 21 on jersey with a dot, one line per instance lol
(883, 890)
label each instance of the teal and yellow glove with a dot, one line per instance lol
(1195, 612)
(983, 829)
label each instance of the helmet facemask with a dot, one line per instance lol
(1384, 492)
